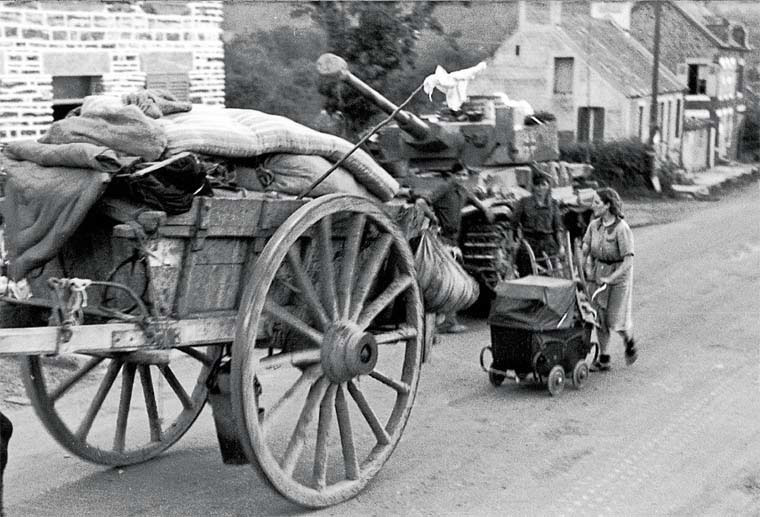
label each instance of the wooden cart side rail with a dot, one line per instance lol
(113, 337)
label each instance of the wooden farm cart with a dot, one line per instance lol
(313, 303)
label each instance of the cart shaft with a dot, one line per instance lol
(113, 337)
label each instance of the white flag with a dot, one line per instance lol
(453, 84)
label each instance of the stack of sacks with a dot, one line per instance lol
(53, 183)
(241, 134)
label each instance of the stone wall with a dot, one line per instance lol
(111, 42)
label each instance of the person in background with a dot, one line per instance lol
(6, 430)
(538, 221)
(608, 253)
(443, 206)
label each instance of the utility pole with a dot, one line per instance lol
(655, 87)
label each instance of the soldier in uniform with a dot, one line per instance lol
(537, 220)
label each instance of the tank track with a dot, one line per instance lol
(488, 252)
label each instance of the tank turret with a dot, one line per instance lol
(482, 133)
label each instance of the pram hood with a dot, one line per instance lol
(534, 303)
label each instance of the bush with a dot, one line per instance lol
(623, 164)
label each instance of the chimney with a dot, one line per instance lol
(521, 14)
(555, 12)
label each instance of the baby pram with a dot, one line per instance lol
(540, 325)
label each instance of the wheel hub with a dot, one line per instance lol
(348, 352)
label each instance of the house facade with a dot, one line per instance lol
(706, 52)
(593, 76)
(53, 54)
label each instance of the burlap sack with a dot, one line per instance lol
(446, 287)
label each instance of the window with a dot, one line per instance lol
(661, 117)
(641, 122)
(697, 79)
(669, 122)
(176, 84)
(563, 75)
(517, 50)
(678, 118)
(69, 92)
(590, 124)
(740, 78)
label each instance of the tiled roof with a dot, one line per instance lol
(617, 55)
(704, 18)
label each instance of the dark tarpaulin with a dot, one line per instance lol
(534, 303)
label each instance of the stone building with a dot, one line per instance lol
(592, 75)
(707, 53)
(54, 53)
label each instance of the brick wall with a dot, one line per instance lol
(35, 37)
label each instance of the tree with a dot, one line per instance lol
(274, 71)
(378, 40)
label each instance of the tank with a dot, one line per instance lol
(499, 156)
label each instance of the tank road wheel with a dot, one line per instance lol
(136, 405)
(556, 380)
(337, 382)
(580, 374)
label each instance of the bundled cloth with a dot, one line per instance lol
(106, 121)
(446, 287)
(294, 173)
(245, 133)
(80, 155)
(43, 208)
(156, 103)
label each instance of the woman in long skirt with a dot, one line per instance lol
(608, 253)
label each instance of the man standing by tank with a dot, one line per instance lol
(443, 206)
(537, 220)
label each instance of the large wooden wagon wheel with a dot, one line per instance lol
(133, 405)
(337, 389)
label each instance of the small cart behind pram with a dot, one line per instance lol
(539, 326)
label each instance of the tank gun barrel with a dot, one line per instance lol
(331, 65)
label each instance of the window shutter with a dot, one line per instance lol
(176, 84)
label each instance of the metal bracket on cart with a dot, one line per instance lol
(69, 298)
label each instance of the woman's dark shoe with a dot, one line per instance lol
(631, 354)
(602, 364)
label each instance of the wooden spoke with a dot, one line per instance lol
(176, 386)
(308, 377)
(346, 435)
(97, 401)
(403, 333)
(323, 432)
(375, 258)
(150, 402)
(306, 287)
(197, 355)
(371, 311)
(127, 382)
(298, 438)
(300, 358)
(399, 386)
(327, 271)
(348, 269)
(282, 314)
(68, 383)
(369, 415)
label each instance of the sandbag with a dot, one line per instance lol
(246, 133)
(293, 173)
(446, 287)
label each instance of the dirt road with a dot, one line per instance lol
(676, 434)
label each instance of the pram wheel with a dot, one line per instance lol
(496, 378)
(580, 374)
(556, 380)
